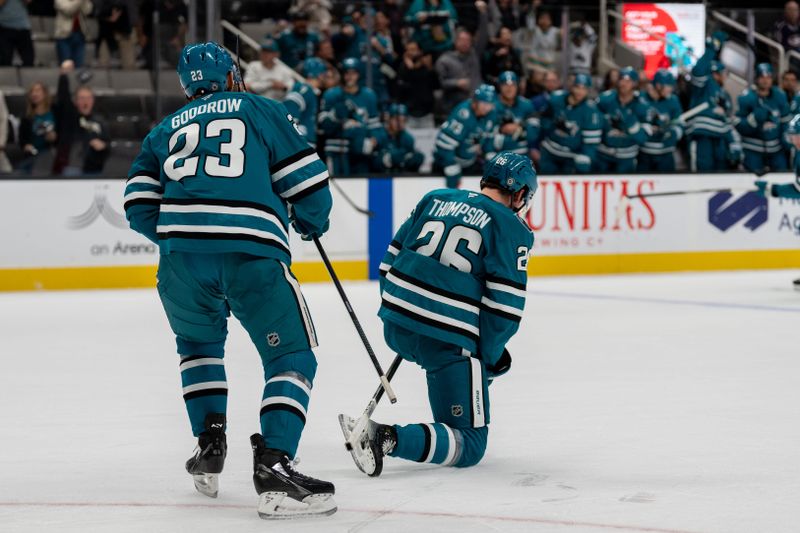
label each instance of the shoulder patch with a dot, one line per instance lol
(463, 113)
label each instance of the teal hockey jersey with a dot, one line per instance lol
(762, 120)
(301, 102)
(522, 113)
(663, 115)
(222, 175)
(457, 271)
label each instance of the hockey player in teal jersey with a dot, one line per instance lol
(625, 126)
(459, 140)
(302, 101)
(763, 115)
(350, 121)
(571, 130)
(664, 111)
(398, 152)
(787, 190)
(517, 128)
(453, 292)
(714, 144)
(215, 186)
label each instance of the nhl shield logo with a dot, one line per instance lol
(456, 410)
(273, 339)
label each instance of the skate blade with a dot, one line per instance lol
(279, 506)
(362, 453)
(207, 484)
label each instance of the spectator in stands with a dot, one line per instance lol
(115, 32)
(666, 128)
(503, 14)
(171, 30)
(398, 152)
(297, 42)
(610, 79)
(787, 30)
(538, 42)
(416, 82)
(83, 141)
(714, 143)
(15, 32)
(459, 70)
(584, 41)
(540, 86)
(37, 131)
(500, 57)
(571, 130)
(5, 164)
(763, 115)
(432, 24)
(319, 13)
(267, 76)
(71, 28)
(789, 84)
(624, 114)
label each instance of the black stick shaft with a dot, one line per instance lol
(354, 318)
(349, 200)
(676, 193)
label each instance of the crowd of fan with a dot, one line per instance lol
(488, 72)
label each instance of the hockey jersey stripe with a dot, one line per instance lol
(302, 307)
(224, 210)
(476, 386)
(280, 165)
(205, 385)
(427, 317)
(293, 379)
(506, 285)
(283, 400)
(272, 241)
(203, 361)
(295, 193)
(452, 446)
(434, 293)
(141, 179)
(205, 392)
(283, 407)
(238, 231)
(507, 311)
(432, 451)
(285, 171)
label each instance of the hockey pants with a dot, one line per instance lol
(198, 292)
(459, 399)
(759, 161)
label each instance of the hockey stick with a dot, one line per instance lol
(356, 323)
(361, 424)
(349, 201)
(683, 193)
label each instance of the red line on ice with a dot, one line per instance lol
(568, 523)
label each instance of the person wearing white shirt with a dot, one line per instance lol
(269, 77)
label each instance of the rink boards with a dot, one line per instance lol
(71, 233)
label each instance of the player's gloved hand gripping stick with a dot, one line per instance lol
(384, 381)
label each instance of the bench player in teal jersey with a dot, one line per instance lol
(453, 292)
(215, 186)
(787, 190)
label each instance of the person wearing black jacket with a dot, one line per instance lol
(501, 56)
(416, 81)
(83, 140)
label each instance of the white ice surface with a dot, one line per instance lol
(635, 403)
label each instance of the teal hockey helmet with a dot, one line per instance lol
(512, 173)
(398, 110)
(314, 67)
(204, 67)
(764, 69)
(507, 77)
(629, 73)
(663, 77)
(793, 128)
(351, 63)
(582, 79)
(485, 93)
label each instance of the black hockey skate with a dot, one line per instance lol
(209, 456)
(283, 491)
(368, 450)
(796, 284)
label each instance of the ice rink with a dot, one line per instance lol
(652, 403)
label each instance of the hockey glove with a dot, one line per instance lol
(308, 235)
(764, 188)
(500, 367)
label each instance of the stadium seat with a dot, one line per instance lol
(16, 104)
(44, 54)
(116, 104)
(131, 82)
(258, 30)
(9, 81)
(48, 76)
(97, 79)
(124, 127)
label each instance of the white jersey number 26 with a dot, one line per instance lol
(182, 164)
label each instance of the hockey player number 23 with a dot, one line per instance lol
(214, 166)
(449, 255)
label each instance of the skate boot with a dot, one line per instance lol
(209, 456)
(368, 450)
(283, 491)
(796, 284)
